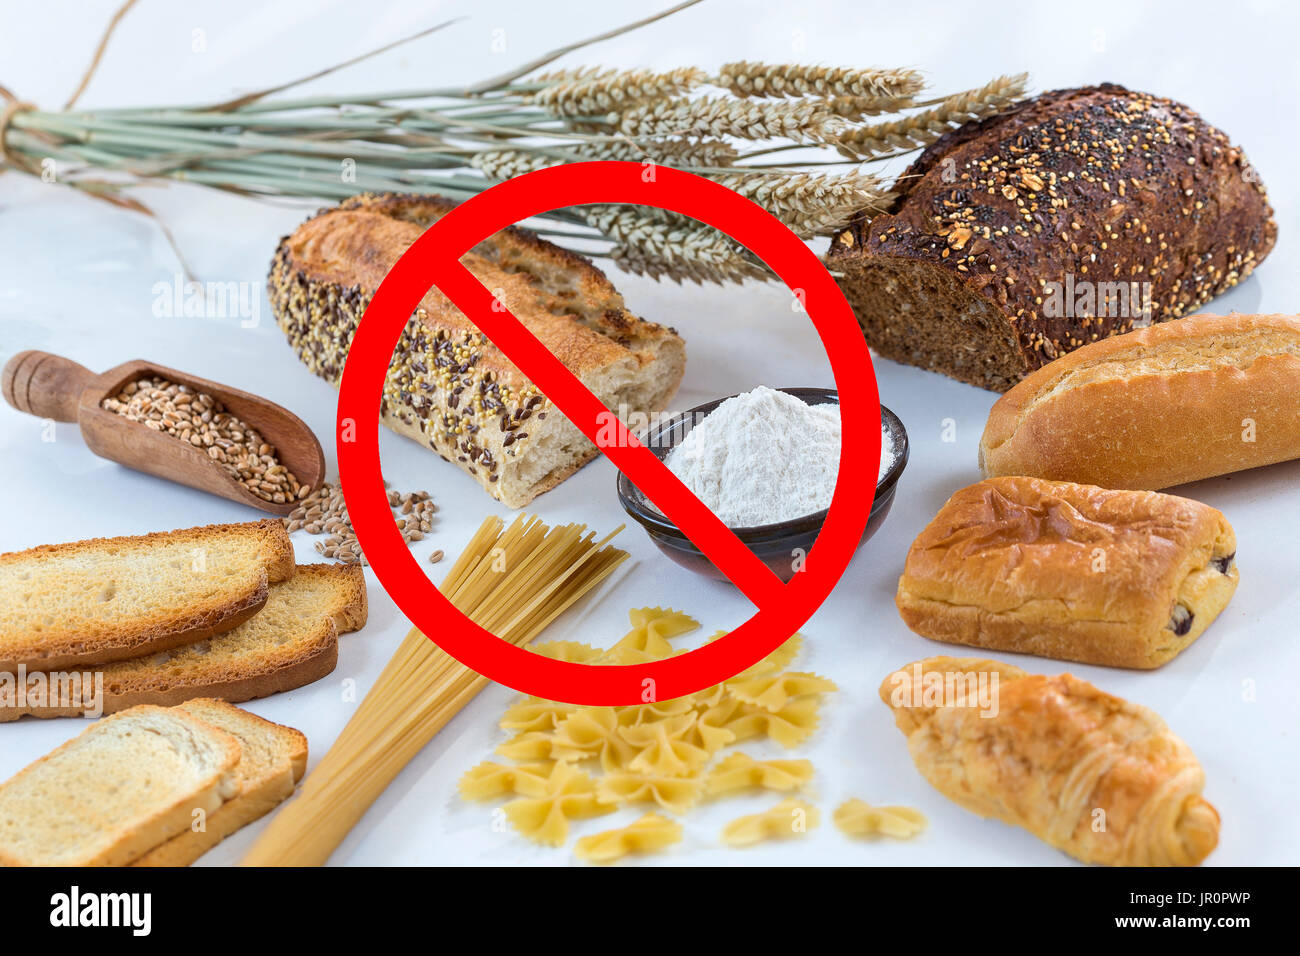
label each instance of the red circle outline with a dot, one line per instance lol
(782, 609)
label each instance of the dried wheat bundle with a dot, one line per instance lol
(790, 137)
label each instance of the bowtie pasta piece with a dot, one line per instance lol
(652, 832)
(674, 794)
(570, 795)
(663, 751)
(858, 818)
(489, 780)
(534, 714)
(742, 772)
(774, 691)
(593, 732)
(789, 818)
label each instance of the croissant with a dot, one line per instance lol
(1103, 779)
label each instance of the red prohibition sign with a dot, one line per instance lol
(433, 260)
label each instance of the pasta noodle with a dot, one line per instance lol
(789, 818)
(773, 691)
(663, 752)
(651, 832)
(513, 580)
(534, 713)
(569, 651)
(593, 732)
(488, 780)
(858, 818)
(570, 795)
(742, 772)
(674, 794)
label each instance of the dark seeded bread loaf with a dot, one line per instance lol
(448, 387)
(1073, 216)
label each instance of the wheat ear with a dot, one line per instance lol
(611, 93)
(744, 78)
(723, 116)
(922, 129)
(811, 204)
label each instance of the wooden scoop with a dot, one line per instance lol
(50, 386)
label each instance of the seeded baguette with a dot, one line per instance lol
(982, 268)
(125, 785)
(448, 387)
(291, 642)
(87, 602)
(273, 758)
(1203, 396)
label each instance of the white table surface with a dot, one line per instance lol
(78, 277)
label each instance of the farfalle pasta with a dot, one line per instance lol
(857, 818)
(674, 794)
(570, 795)
(657, 752)
(742, 772)
(789, 818)
(773, 691)
(651, 833)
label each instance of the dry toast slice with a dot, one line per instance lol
(291, 642)
(273, 761)
(65, 605)
(126, 784)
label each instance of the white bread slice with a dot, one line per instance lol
(63, 605)
(291, 642)
(273, 761)
(126, 784)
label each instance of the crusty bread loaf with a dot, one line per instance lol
(448, 387)
(127, 784)
(292, 641)
(1074, 572)
(1073, 216)
(1158, 407)
(272, 760)
(64, 605)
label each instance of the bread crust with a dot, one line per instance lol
(1158, 407)
(162, 823)
(1098, 185)
(1057, 756)
(1069, 571)
(448, 387)
(75, 645)
(263, 671)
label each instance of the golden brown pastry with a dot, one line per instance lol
(1096, 776)
(1075, 572)
(1162, 406)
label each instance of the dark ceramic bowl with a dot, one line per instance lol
(775, 544)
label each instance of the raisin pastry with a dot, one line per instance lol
(1073, 572)
(1098, 777)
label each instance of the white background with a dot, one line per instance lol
(76, 277)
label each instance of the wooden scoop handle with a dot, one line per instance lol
(44, 384)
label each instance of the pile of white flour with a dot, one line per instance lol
(765, 456)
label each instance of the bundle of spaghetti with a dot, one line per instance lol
(513, 581)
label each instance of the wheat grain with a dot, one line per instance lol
(612, 93)
(921, 129)
(722, 116)
(744, 78)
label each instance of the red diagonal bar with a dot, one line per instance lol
(755, 579)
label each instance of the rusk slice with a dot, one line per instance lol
(273, 761)
(291, 642)
(85, 602)
(126, 784)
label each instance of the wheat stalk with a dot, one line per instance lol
(922, 129)
(744, 78)
(457, 141)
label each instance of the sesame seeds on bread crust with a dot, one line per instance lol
(448, 387)
(1129, 198)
